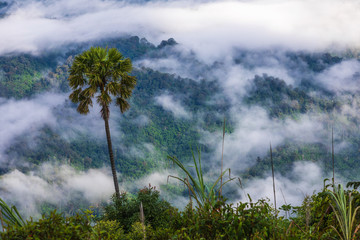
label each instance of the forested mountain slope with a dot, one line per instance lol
(25, 76)
(175, 111)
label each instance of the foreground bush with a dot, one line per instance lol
(107, 230)
(126, 210)
(53, 227)
(314, 219)
(245, 220)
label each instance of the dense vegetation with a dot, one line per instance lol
(282, 100)
(146, 216)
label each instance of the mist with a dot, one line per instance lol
(343, 77)
(167, 102)
(59, 185)
(35, 26)
(306, 179)
(54, 184)
(25, 118)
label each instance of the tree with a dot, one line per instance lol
(99, 73)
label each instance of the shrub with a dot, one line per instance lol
(225, 221)
(53, 227)
(107, 230)
(126, 210)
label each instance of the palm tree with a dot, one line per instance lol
(99, 73)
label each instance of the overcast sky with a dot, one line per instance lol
(211, 28)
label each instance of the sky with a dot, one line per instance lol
(211, 28)
(208, 32)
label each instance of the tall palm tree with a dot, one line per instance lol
(99, 73)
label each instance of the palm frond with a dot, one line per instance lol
(123, 104)
(74, 96)
(113, 88)
(11, 214)
(84, 105)
(103, 98)
(125, 65)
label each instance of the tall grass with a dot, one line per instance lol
(333, 156)
(10, 215)
(200, 191)
(222, 158)
(273, 178)
(344, 212)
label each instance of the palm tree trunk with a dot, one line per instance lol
(111, 155)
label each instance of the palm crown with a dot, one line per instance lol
(103, 71)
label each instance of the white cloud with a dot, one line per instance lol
(212, 29)
(169, 104)
(306, 178)
(344, 76)
(25, 117)
(169, 65)
(141, 120)
(27, 191)
(254, 131)
(54, 184)
(96, 185)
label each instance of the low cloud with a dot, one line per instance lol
(33, 26)
(254, 131)
(27, 191)
(306, 178)
(141, 120)
(342, 77)
(70, 123)
(167, 65)
(58, 184)
(168, 102)
(54, 184)
(176, 59)
(25, 117)
(236, 79)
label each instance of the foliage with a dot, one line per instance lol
(342, 205)
(24, 75)
(225, 221)
(53, 227)
(354, 185)
(282, 100)
(139, 232)
(243, 220)
(10, 216)
(107, 230)
(311, 219)
(199, 190)
(126, 210)
(20, 75)
(104, 69)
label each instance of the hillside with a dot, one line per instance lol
(170, 114)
